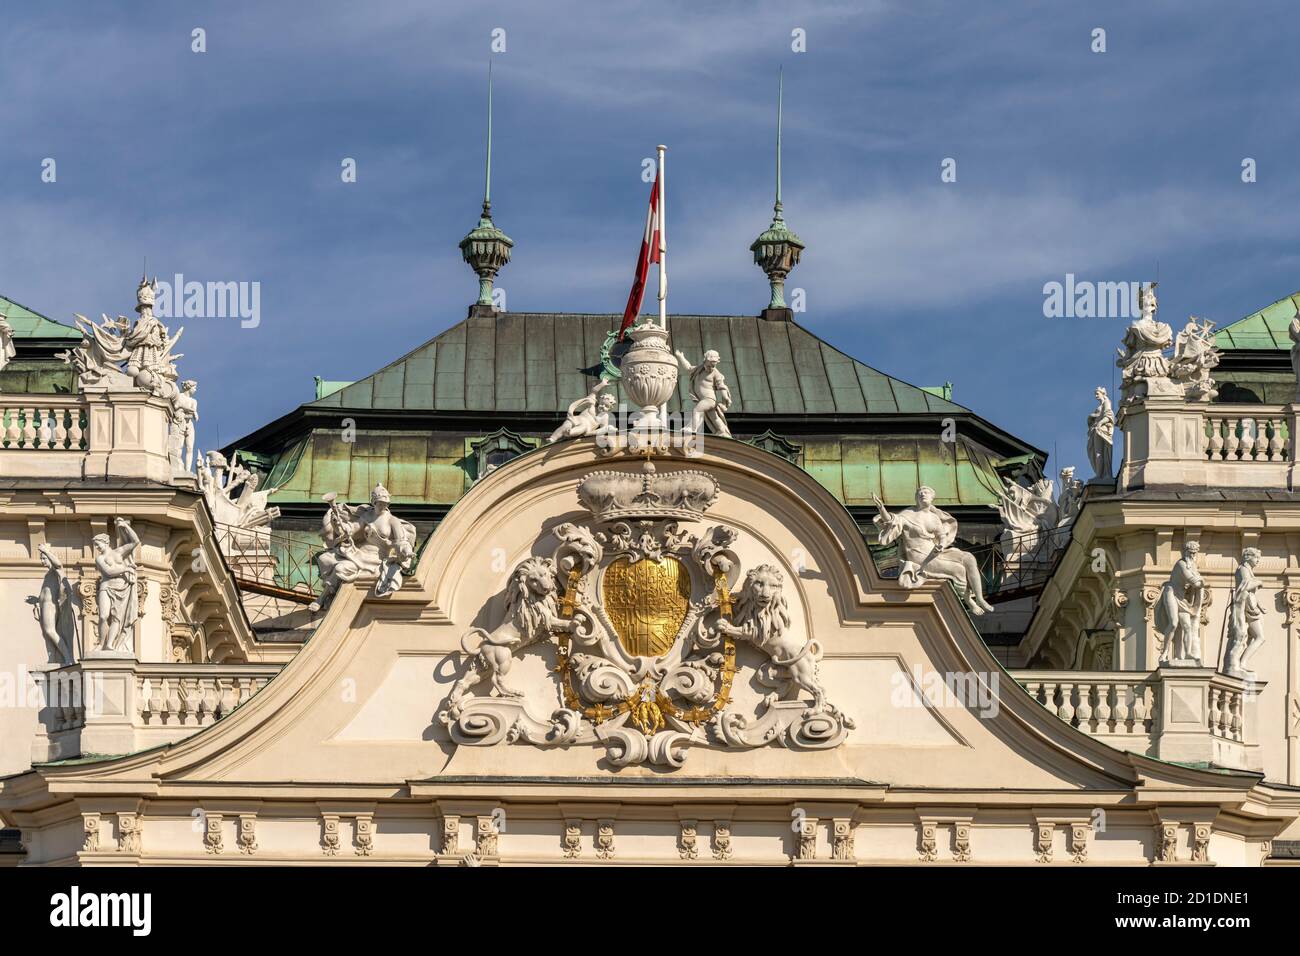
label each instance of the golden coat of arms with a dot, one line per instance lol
(647, 602)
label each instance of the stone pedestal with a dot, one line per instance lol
(1206, 718)
(126, 436)
(1164, 438)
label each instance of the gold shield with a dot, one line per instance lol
(647, 603)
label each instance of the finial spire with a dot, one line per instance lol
(780, 96)
(777, 249)
(486, 248)
(487, 172)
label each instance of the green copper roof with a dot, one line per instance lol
(28, 324)
(533, 362)
(437, 468)
(1265, 329)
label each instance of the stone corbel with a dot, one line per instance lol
(212, 838)
(605, 838)
(329, 840)
(842, 833)
(363, 834)
(247, 838)
(128, 833)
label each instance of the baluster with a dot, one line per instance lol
(1140, 709)
(1066, 710)
(1049, 696)
(1233, 440)
(61, 417)
(1123, 709)
(156, 699)
(77, 439)
(1216, 706)
(1084, 711)
(211, 697)
(1215, 447)
(173, 699)
(1249, 433)
(229, 696)
(1235, 719)
(1276, 446)
(1103, 707)
(143, 698)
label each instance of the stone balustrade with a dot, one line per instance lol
(1171, 441)
(52, 423)
(92, 434)
(114, 705)
(1246, 434)
(1182, 714)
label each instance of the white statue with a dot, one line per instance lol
(1028, 514)
(1071, 498)
(1245, 627)
(1194, 355)
(1143, 356)
(145, 348)
(250, 512)
(118, 608)
(7, 350)
(54, 609)
(1294, 331)
(1178, 611)
(531, 614)
(369, 541)
(925, 535)
(709, 392)
(588, 416)
(1101, 436)
(185, 412)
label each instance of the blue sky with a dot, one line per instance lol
(225, 166)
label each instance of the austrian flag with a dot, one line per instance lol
(649, 253)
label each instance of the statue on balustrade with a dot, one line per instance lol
(1101, 436)
(1143, 356)
(1194, 355)
(180, 436)
(925, 535)
(1071, 497)
(54, 609)
(364, 542)
(1245, 619)
(1178, 611)
(249, 512)
(7, 350)
(144, 348)
(118, 607)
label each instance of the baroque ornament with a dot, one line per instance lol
(640, 617)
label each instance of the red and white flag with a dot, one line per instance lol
(650, 246)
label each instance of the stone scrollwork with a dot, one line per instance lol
(639, 615)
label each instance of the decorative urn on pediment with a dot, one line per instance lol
(649, 373)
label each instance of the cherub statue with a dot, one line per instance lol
(118, 607)
(925, 535)
(710, 393)
(588, 416)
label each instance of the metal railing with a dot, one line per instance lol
(1015, 567)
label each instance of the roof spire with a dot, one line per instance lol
(486, 248)
(777, 249)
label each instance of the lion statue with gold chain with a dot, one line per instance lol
(762, 618)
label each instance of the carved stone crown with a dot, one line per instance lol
(622, 495)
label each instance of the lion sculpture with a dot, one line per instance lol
(762, 618)
(531, 614)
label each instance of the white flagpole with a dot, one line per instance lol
(663, 246)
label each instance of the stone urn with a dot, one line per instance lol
(649, 373)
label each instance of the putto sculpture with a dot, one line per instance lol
(1245, 627)
(1101, 437)
(54, 608)
(116, 595)
(588, 416)
(1194, 355)
(364, 542)
(1178, 611)
(248, 512)
(709, 392)
(925, 535)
